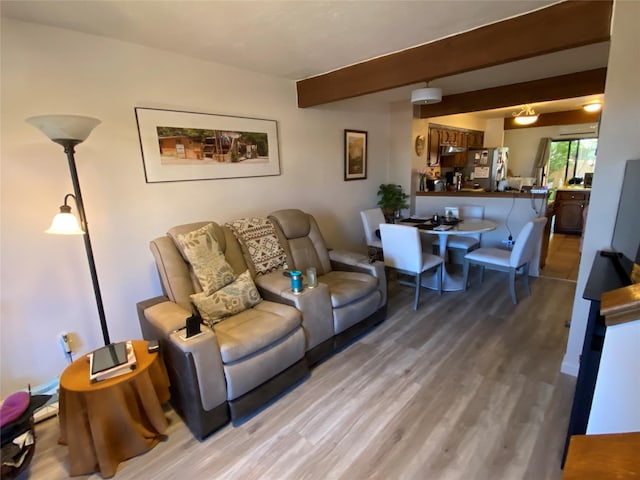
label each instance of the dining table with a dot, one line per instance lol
(452, 278)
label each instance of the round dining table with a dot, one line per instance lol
(452, 280)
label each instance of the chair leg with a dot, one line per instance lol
(481, 273)
(440, 274)
(465, 274)
(418, 287)
(512, 285)
(525, 277)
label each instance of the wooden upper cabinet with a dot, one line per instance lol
(433, 155)
(440, 135)
(475, 139)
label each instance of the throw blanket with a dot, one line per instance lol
(259, 240)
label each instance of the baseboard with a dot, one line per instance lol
(570, 368)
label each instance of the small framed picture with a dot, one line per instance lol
(355, 155)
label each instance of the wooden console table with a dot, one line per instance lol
(110, 421)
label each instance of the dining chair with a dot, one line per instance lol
(466, 243)
(403, 252)
(518, 259)
(371, 220)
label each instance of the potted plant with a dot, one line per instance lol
(392, 200)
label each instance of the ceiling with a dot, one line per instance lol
(304, 38)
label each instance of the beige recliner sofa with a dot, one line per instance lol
(235, 366)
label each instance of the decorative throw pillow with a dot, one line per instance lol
(209, 265)
(259, 241)
(234, 298)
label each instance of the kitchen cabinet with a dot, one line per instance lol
(440, 135)
(433, 148)
(569, 208)
(475, 139)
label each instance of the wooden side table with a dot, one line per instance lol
(110, 421)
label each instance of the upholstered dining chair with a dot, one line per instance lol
(371, 220)
(512, 261)
(403, 252)
(466, 243)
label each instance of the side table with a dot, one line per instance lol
(106, 422)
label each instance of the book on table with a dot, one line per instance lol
(111, 360)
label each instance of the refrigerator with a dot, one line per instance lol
(487, 167)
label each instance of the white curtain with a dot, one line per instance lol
(542, 157)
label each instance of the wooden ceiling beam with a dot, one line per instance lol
(580, 84)
(559, 27)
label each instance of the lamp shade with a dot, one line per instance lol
(423, 96)
(526, 119)
(592, 107)
(64, 127)
(65, 224)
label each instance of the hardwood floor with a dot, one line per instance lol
(467, 387)
(563, 258)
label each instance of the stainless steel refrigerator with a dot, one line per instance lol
(487, 167)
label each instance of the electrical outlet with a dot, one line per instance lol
(65, 342)
(508, 243)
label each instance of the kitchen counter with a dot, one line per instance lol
(479, 193)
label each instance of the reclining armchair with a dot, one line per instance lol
(233, 368)
(354, 290)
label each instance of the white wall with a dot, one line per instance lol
(45, 283)
(618, 142)
(616, 397)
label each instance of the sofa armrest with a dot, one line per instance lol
(313, 303)
(162, 320)
(355, 262)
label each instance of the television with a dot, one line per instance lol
(626, 233)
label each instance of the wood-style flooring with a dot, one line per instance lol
(563, 257)
(467, 387)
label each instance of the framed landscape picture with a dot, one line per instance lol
(355, 155)
(181, 146)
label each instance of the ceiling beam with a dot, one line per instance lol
(580, 84)
(559, 27)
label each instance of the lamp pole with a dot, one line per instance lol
(69, 149)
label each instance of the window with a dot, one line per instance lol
(570, 159)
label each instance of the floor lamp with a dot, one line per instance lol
(69, 131)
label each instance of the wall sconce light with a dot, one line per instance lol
(592, 107)
(69, 131)
(526, 116)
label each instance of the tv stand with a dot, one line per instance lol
(607, 273)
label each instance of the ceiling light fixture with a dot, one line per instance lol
(592, 107)
(427, 95)
(526, 116)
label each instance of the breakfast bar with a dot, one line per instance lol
(509, 210)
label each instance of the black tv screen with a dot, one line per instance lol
(626, 234)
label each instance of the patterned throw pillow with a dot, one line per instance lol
(208, 262)
(234, 298)
(260, 242)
